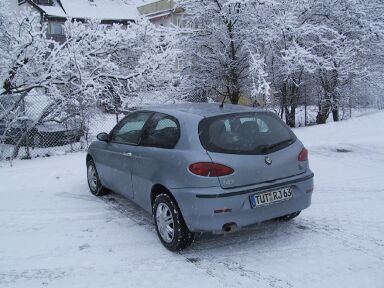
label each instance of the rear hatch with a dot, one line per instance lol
(258, 146)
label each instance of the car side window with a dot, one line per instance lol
(162, 132)
(128, 131)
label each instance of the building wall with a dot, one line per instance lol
(162, 13)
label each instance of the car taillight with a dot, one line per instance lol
(303, 156)
(209, 169)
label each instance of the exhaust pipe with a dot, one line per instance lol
(229, 227)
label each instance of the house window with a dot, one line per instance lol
(55, 29)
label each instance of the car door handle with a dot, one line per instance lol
(128, 154)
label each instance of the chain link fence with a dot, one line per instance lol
(35, 129)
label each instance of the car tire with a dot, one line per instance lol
(170, 226)
(289, 216)
(93, 180)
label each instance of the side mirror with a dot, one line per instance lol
(103, 137)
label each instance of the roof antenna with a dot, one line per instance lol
(222, 103)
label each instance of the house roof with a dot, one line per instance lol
(56, 10)
(100, 9)
(93, 9)
(121, 10)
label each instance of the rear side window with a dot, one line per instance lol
(163, 131)
(245, 133)
(128, 130)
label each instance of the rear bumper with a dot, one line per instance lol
(198, 205)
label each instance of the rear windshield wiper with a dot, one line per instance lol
(272, 146)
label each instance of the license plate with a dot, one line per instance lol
(270, 197)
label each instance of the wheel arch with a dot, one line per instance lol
(158, 189)
(88, 158)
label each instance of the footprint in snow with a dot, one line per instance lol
(84, 246)
(193, 259)
(87, 230)
(343, 150)
(302, 227)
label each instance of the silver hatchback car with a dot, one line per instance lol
(203, 168)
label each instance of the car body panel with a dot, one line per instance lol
(253, 169)
(167, 168)
(114, 168)
(199, 212)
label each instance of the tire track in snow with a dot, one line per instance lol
(129, 209)
(44, 275)
(220, 255)
(204, 242)
(231, 273)
(346, 238)
(203, 253)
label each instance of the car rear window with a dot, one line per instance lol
(245, 133)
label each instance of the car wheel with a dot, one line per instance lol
(170, 226)
(289, 216)
(94, 183)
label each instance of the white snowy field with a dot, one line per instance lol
(54, 233)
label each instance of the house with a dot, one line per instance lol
(162, 12)
(56, 12)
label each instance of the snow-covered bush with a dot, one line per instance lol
(96, 64)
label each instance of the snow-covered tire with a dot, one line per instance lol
(93, 180)
(170, 226)
(289, 216)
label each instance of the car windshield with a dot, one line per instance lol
(245, 133)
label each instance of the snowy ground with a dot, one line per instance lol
(54, 233)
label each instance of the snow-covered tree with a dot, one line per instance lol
(24, 64)
(357, 22)
(221, 50)
(298, 49)
(306, 50)
(93, 63)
